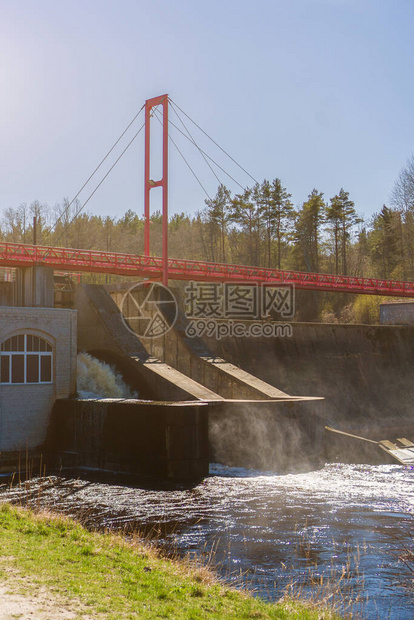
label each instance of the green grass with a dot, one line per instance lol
(118, 579)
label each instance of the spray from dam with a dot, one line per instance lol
(96, 379)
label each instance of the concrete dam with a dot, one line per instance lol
(186, 416)
(230, 400)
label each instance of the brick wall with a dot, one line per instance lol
(25, 409)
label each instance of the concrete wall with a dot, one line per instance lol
(399, 313)
(165, 440)
(7, 294)
(276, 435)
(192, 357)
(365, 373)
(34, 287)
(262, 432)
(102, 332)
(177, 440)
(25, 408)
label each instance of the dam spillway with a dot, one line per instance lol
(250, 422)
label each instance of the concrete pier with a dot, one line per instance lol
(155, 439)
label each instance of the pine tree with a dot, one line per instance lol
(282, 214)
(384, 242)
(307, 232)
(333, 217)
(218, 213)
(244, 213)
(343, 218)
(263, 199)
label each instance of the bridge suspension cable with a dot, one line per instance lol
(188, 137)
(185, 160)
(212, 140)
(99, 184)
(196, 145)
(207, 155)
(99, 165)
(106, 175)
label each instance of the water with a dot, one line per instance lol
(95, 379)
(267, 531)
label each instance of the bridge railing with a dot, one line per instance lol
(69, 259)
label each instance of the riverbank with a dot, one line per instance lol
(61, 570)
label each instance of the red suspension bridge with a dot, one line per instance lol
(20, 255)
(91, 261)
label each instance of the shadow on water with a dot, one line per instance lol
(337, 531)
(130, 481)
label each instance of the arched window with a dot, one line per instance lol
(26, 359)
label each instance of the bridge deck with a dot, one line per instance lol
(67, 259)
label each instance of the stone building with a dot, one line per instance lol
(37, 366)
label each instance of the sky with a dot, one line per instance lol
(318, 93)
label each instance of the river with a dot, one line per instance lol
(336, 532)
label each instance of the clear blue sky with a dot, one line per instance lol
(319, 93)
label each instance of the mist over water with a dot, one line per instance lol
(95, 379)
(266, 530)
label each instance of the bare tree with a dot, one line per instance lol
(402, 196)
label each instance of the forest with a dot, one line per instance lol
(260, 226)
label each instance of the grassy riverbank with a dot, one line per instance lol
(109, 577)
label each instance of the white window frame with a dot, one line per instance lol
(26, 353)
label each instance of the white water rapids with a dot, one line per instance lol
(95, 379)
